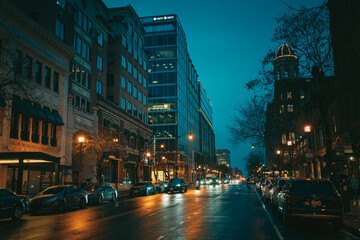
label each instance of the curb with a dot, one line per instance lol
(352, 230)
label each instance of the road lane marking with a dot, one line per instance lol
(270, 218)
(159, 238)
(152, 214)
(349, 234)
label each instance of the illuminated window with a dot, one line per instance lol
(282, 109)
(123, 103)
(302, 95)
(129, 108)
(288, 95)
(123, 82)
(292, 136)
(283, 138)
(290, 108)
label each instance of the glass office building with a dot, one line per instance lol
(173, 96)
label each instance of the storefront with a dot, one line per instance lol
(29, 172)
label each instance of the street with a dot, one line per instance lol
(214, 212)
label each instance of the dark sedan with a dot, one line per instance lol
(142, 189)
(11, 205)
(101, 192)
(160, 187)
(311, 199)
(59, 198)
(177, 184)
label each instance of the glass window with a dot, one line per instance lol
(123, 40)
(99, 63)
(140, 96)
(145, 102)
(288, 95)
(123, 82)
(283, 138)
(123, 103)
(98, 87)
(140, 78)
(56, 82)
(100, 38)
(129, 67)
(145, 118)
(292, 136)
(135, 112)
(123, 61)
(18, 61)
(129, 108)
(290, 108)
(59, 29)
(129, 88)
(144, 82)
(140, 114)
(135, 92)
(282, 108)
(47, 77)
(28, 67)
(135, 73)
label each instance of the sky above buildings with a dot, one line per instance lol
(227, 40)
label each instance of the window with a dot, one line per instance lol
(129, 67)
(145, 118)
(140, 96)
(129, 87)
(280, 96)
(99, 63)
(288, 95)
(302, 94)
(45, 130)
(53, 141)
(140, 114)
(59, 29)
(123, 82)
(144, 82)
(100, 38)
(282, 109)
(290, 108)
(292, 136)
(135, 112)
(123, 61)
(283, 138)
(18, 62)
(135, 73)
(123, 40)
(140, 78)
(56, 82)
(123, 103)
(129, 108)
(81, 47)
(135, 92)
(47, 77)
(144, 100)
(98, 87)
(145, 65)
(28, 67)
(35, 130)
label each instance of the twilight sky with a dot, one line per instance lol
(227, 40)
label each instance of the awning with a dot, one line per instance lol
(30, 108)
(40, 112)
(58, 118)
(27, 157)
(18, 105)
(50, 115)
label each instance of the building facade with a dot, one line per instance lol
(223, 157)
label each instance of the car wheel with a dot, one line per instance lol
(99, 200)
(61, 206)
(17, 213)
(113, 198)
(82, 203)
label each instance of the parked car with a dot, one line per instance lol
(11, 205)
(59, 198)
(266, 187)
(225, 181)
(259, 184)
(160, 187)
(166, 185)
(274, 191)
(311, 199)
(177, 184)
(142, 189)
(97, 193)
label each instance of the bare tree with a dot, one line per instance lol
(95, 149)
(253, 163)
(248, 123)
(15, 77)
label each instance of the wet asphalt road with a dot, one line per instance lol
(220, 212)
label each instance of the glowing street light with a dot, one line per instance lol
(278, 152)
(289, 143)
(162, 146)
(307, 128)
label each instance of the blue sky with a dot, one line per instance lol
(226, 40)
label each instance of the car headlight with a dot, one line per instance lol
(165, 185)
(178, 185)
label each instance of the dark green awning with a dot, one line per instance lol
(58, 118)
(30, 108)
(50, 115)
(40, 112)
(18, 105)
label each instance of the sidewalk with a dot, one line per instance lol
(352, 220)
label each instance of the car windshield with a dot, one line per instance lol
(92, 187)
(175, 181)
(313, 187)
(53, 190)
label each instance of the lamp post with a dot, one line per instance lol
(148, 155)
(81, 141)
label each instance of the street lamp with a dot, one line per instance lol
(148, 155)
(81, 141)
(307, 128)
(278, 152)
